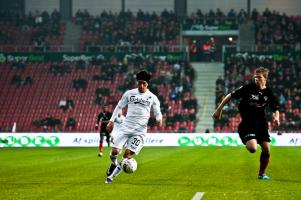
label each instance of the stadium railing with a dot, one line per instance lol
(95, 48)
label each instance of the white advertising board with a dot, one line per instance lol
(152, 139)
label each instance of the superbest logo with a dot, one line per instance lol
(31, 141)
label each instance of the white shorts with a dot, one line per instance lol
(132, 142)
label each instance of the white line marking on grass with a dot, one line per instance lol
(198, 196)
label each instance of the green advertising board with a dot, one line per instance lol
(42, 57)
(273, 55)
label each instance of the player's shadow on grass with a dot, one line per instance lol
(286, 180)
(158, 182)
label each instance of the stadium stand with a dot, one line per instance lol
(126, 30)
(32, 32)
(35, 107)
(32, 90)
(275, 31)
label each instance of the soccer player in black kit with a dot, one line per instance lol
(104, 118)
(253, 129)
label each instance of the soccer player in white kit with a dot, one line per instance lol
(140, 102)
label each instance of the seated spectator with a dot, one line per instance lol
(183, 129)
(65, 104)
(70, 104)
(80, 84)
(71, 123)
(98, 99)
(17, 80)
(18, 65)
(81, 64)
(28, 80)
(48, 122)
(60, 69)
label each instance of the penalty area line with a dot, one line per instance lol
(198, 196)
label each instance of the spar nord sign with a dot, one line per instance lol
(212, 141)
(26, 141)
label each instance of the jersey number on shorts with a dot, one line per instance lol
(136, 142)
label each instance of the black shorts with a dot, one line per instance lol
(254, 130)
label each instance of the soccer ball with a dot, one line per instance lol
(129, 165)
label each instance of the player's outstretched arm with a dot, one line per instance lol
(218, 112)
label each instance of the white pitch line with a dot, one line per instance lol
(198, 196)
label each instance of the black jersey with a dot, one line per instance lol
(253, 101)
(104, 117)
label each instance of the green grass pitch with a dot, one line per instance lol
(163, 173)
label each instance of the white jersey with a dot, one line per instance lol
(138, 112)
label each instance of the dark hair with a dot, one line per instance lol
(143, 76)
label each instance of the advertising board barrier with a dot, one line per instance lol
(152, 139)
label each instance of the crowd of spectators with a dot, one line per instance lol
(49, 123)
(214, 18)
(105, 80)
(133, 32)
(126, 29)
(275, 31)
(283, 79)
(38, 30)
(60, 68)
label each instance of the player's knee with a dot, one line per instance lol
(128, 153)
(251, 145)
(114, 151)
(127, 156)
(251, 149)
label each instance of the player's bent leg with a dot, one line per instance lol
(127, 154)
(117, 145)
(251, 145)
(118, 169)
(108, 140)
(100, 145)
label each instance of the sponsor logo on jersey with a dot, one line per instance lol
(254, 97)
(136, 100)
